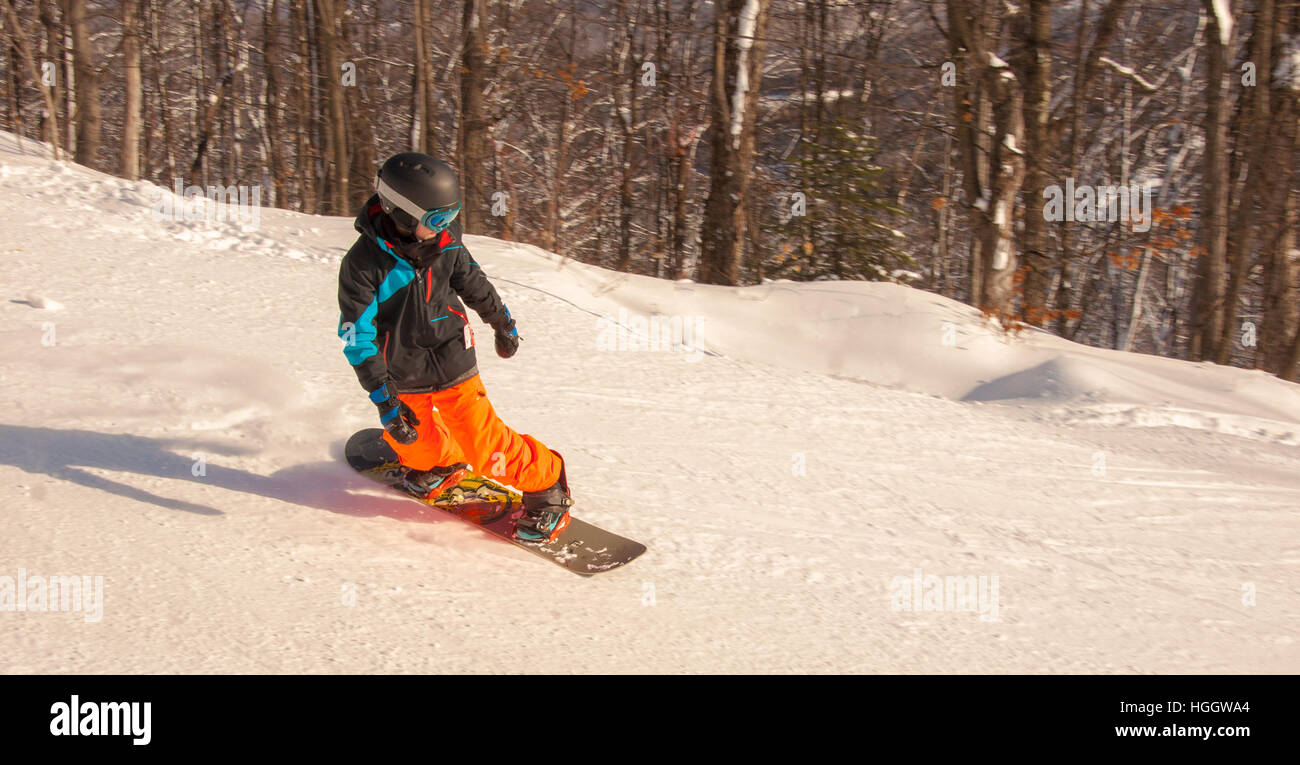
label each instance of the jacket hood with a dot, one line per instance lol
(372, 223)
(368, 220)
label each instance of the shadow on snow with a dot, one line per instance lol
(69, 455)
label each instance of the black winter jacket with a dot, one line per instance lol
(400, 303)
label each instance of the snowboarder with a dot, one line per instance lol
(409, 340)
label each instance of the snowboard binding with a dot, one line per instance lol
(428, 483)
(541, 527)
(546, 512)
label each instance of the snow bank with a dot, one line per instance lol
(900, 337)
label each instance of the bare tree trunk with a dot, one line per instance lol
(1251, 131)
(1212, 266)
(813, 72)
(474, 146)
(236, 56)
(88, 107)
(508, 182)
(424, 90)
(196, 73)
(420, 107)
(558, 190)
(271, 60)
(14, 102)
(1037, 75)
(51, 123)
(131, 120)
(361, 137)
(1007, 168)
(1282, 289)
(759, 252)
(737, 76)
(968, 119)
(169, 150)
(684, 168)
(54, 51)
(681, 141)
(209, 114)
(305, 166)
(327, 18)
(58, 48)
(1281, 308)
(1291, 365)
(69, 104)
(1291, 369)
(625, 105)
(720, 239)
(994, 175)
(942, 216)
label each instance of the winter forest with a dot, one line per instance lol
(1118, 172)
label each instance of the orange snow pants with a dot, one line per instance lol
(459, 425)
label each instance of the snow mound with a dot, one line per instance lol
(894, 336)
(1058, 379)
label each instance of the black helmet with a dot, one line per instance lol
(416, 188)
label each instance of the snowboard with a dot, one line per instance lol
(581, 548)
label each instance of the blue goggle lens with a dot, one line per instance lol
(441, 218)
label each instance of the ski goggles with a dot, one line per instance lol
(435, 220)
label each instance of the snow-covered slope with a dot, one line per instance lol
(815, 448)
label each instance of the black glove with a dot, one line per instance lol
(397, 418)
(507, 338)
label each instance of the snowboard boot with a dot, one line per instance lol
(427, 483)
(546, 512)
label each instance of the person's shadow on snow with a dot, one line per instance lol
(70, 455)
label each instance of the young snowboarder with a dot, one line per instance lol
(410, 342)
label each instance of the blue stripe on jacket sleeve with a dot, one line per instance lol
(363, 345)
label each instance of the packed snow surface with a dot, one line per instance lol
(797, 457)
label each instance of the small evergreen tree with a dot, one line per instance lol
(847, 232)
